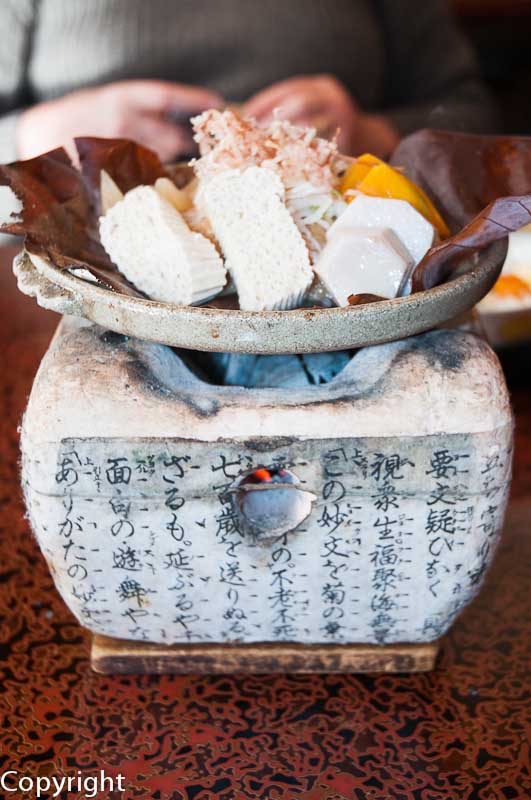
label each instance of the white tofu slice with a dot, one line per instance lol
(263, 248)
(414, 231)
(363, 261)
(154, 248)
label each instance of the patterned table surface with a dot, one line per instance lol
(459, 732)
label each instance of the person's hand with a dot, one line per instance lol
(138, 109)
(322, 102)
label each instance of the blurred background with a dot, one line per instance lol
(500, 31)
(374, 70)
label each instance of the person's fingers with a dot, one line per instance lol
(295, 108)
(134, 109)
(164, 96)
(167, 139)
(326, 125)
(264, 102)
(300, 105)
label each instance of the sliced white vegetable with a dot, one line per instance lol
(109, 192)
(178, 198)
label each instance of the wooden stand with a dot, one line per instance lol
(113, 656)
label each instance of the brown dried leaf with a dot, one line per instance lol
(463, 173)
(57, 219)
(495, 222)
(481, 186)
(60, 205)
(129, 164)
(225, 302)
(363, 299)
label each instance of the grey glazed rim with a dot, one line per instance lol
(260, 332)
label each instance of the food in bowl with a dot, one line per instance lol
(270, 209)
(269, 219)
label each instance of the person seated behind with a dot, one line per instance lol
(374, 69)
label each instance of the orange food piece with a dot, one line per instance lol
(511, 286)
(374, 177)
(357, 172)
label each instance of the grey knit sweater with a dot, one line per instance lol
(403, 57)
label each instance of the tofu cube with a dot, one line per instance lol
(413, 230)
(363, 261)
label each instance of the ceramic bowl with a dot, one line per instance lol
(303, 330)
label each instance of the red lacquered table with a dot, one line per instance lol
(459, 732)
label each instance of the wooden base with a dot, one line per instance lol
(112, 656)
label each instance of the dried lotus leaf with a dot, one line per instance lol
(363, 299)
(61, 205)
(480, 184)
(57, 218)
(128, 163)
(503, 216)
(463, 173)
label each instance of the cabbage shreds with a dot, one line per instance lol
(226, 141)
(314, 210)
